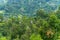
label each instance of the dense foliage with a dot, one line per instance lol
(42, 26)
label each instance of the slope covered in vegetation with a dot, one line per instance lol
(40, 27)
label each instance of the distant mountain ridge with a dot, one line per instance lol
(27, 7)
